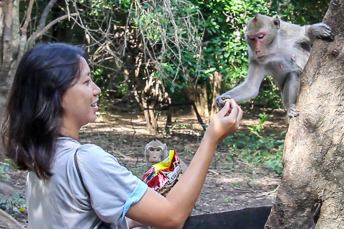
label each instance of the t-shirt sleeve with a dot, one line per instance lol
(112, 188)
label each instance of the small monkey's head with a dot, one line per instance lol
(260, 32)
(155, 151)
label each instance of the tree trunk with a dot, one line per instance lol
(168, 124)
(198, 116)
(201, 100)
(311, 193)
(216, 83)
(150, 118)
(9, 44)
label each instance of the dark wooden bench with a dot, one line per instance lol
(248, 218)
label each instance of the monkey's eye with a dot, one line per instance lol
(261, 36)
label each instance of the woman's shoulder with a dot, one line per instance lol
(92, 153)
(91, 148)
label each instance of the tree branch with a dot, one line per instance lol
(45, 14)
(41, 32)
(27, 18)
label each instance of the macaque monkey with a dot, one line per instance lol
(279, 49)
(156, 151)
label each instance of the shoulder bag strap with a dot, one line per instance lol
(103, 225)
(78, 170)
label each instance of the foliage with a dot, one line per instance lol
(257, 129)
(269, 95)
(178, 62)
(98, 7)
(171, 33)
(301, 11)
(257, 147)
(99, 28)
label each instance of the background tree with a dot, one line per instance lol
(155, 46)
(313, 175)
(19, 30)
(301, 11)
(170, 40)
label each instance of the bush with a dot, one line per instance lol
(257, 148)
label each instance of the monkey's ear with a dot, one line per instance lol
(255, 19)
(276, 22)
(148, 144)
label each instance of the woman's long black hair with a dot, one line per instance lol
(33, 113)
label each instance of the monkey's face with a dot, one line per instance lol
(260, 33)
(155, 154)
(155, 151)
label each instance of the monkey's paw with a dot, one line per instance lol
(221, 100)
(322, 31)
(292, 112)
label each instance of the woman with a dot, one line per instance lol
(70, 185)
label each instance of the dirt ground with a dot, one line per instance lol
(230, 185)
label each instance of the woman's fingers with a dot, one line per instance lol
(239, 117)
(223, 112)
(234, 109)
(236, 113)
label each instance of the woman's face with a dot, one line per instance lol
(80, 102)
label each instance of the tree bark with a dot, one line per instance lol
(311, 193)
(216, 83)
(143, 92)
(148, 113)
(9, 30)
(168, 124)
(201, 99)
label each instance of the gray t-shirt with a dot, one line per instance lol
(63, 202)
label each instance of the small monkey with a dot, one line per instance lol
(279, 49)
(155, 151)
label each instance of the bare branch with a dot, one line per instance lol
(27, 18)
(41, 32)
(45, 14)
(81, 24)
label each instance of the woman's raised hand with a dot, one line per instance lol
(225, 122)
